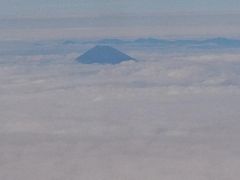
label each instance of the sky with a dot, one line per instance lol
(86, 19)
(65, 8)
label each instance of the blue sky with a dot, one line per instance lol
(65, 8)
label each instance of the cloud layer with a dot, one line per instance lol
(168, 116)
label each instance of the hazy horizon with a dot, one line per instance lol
(122, 26)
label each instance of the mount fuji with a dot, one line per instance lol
(103, 55)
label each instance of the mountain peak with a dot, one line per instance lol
(102, 54)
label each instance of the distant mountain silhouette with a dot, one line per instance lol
(150, 41)
(112, 41)
(103, 55)
(211, 43)
(218, 42)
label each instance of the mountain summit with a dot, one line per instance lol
(103, 55)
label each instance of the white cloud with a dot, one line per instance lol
(162, 117)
